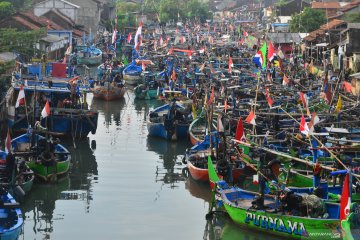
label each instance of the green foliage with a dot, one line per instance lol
(352, 17)
(126, 13)
(22, 42)
(307, 21)
(197, 10)
(6, 9)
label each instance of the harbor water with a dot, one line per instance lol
(125, 185)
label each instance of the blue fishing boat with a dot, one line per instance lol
(88, 55)
(11, 219)
(170, 121)
(132, 74)
(69, 110)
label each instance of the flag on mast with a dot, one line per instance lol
(138, 39)
(21, 97)
(46, 110)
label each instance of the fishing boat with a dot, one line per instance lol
(170, 121)
(149, 89)
(69, 110)
(87, 55)
(322, 218)
(132, 74)
(45, 156)
(18, 178)
(109, 91)
(11, 218)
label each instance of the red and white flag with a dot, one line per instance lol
(143, 66)
(220, 126)
(314, 120)
(304, 128)
(21, 97)
(226, 106)
(285, 80)
(46, 110)
(129, 38)
(246, 34)
(271, 52)
(240, 135)
(161, 42)
(256, 179)
(8, 142)
(113, 38)
(251, 118)
(345, 200)
(138, 39)
(304, 99)
(231, 65)
(268, 98)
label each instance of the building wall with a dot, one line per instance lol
(66, 9)
(89, 14)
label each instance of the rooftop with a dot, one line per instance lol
(325, 5)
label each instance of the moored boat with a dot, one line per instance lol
(11, 219)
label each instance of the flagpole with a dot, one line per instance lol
(254, 108)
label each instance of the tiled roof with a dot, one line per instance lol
(350, 6)
(323, 28)
(325, 5)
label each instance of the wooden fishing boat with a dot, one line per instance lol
(48, 160)
(197, 130)
(109, 91)
(69, 113)
(149, 89)
(132, 74)
(87, 55)
(170, 121)
(239, 204)
(11, 218)
(21, 178)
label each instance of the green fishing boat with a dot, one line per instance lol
(323, 221)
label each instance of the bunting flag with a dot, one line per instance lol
(251, 118)
(129, 38)
(21, 97)
(256, 179)
(161, 42)
(182, 39)
(345, 200)
(285, 80)
(113, 38)
(304, 99)
(269, 77)
(46, 110)
(138, 38)
(8, 142)
(281, 54)
(220, 126)
(338, 105)
(347, 87)
(240, 136)
(231, 65)
(212, 96)
(271, 52)
(268, 98)
(304, 129)
(260, 57)
(245, 34)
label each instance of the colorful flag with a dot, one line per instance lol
(271, 52)
(46, 110)
(226, 106)
(245, 34)
(129, 38)
(260, 57)
(220, 126)
(338, 105)
(345, 200)
(231, 65)
(8, 142)
(304, 129)
(125, 61)
(304, 99)
(256, 179)
(143, 66)
(138, 39)
(240, 136)
(21, 97)
(314, 120)
(173, 74)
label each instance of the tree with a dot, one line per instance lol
(6, 9)
(126, 13)
(307, 21)
(352, 17)
(197, 10)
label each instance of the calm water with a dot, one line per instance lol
(124, 185)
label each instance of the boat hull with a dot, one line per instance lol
(50, 172)
(13, 216)
(109, 93)
(158, 130)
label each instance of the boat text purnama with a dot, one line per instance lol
(276, 224)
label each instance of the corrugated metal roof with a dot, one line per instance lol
(284, 37)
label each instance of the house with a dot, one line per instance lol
(285, 41)
(292, 7)
(68, 9)
(53, 45)
(330, 8)
(327, 33)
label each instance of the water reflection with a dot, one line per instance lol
(111, 110)
(142, 107)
